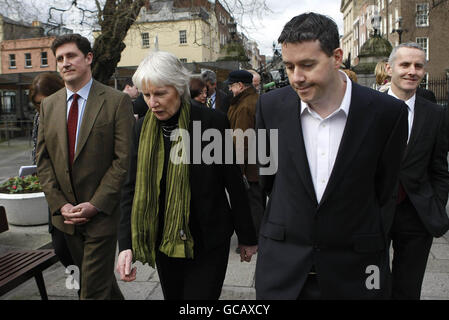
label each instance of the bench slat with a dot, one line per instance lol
(37, 261)
(22, 261)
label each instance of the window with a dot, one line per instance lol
(183, 60)
(183, 37)
(44, 59)
(12, 61)
(422, 15)
(396, 18)
(145, 40)
(28, 60)
(424, 43)
(8, 102)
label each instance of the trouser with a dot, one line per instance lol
(257, 204)
(311, 289)
(60, 246)
(411, 247)
(95, 259)
(200, 278)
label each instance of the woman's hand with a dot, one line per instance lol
(124, 262)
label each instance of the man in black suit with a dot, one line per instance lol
(216, 98)
(324, 233)
(424, 177)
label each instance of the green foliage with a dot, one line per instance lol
(25, 184)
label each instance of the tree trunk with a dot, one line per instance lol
(115, 19)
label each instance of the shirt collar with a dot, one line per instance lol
(83, 92)
(345, 103)
(410, 102)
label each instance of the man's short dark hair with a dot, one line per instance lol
(309, 27)
(81, 42)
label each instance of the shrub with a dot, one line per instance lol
(25, 184)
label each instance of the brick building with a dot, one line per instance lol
(423, 21)
(27, 55)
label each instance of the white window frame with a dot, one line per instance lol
(422, 16)
(182, 36)
(28, 60)
(145, 36)
(12, 61)
(419, 41)
(44, 60)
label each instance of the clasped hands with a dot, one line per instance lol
(79, 214)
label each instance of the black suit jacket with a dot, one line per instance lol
(426, 94)
(222, 101)
(424, 170)
(212, 220)
(346, 233)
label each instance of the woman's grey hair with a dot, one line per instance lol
(163, 69)
(412, 45)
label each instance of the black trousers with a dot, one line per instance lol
(200, 278)
(59, 244)
(311, 289)
(411, 247)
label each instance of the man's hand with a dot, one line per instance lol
(79, 214)
(124, 262)
(246, 252)
(67, 213)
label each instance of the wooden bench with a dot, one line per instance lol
(16, 267)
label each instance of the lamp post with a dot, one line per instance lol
(399, 29)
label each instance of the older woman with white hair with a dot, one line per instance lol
(176, 214)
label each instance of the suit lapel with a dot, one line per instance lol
(419, 119)
(93, 106)
(295, 138)
(360, 116)
(61, 121)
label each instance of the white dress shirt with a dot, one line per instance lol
(212, 99)
(82, 99)
(322, 139)
(411, 110)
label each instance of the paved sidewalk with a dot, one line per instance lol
(239, 281)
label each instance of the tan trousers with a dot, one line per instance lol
(95, 259)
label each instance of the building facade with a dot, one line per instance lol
(196, 31)
(190, 32)
(27, 55)
(423, 21)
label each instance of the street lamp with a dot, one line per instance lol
(399, 29)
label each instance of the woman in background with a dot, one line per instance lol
(198, 91)
(382, 77)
